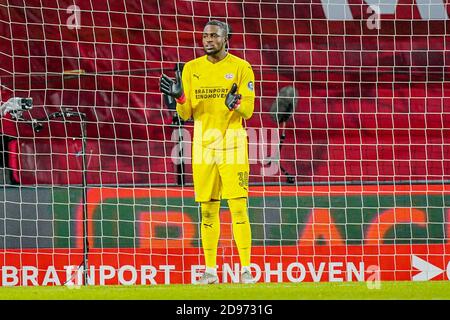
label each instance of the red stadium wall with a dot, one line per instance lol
(372, 107)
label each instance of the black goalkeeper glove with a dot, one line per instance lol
(233, 100)
(172, 88)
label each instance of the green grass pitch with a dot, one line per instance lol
(402, 290)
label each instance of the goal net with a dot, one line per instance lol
(348, 144)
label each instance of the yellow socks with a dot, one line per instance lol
(210, 231)
(241, 229)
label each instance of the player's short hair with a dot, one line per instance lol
(222, 25)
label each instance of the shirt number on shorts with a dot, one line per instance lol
(243, 179)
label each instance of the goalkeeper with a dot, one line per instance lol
(217, 91)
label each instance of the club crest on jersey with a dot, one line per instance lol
(250, 85)
(229, 76)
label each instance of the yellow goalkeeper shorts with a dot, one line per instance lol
(221, 174)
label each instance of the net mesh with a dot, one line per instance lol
(362, 159)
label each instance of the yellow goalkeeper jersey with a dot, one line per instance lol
(205, 86)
